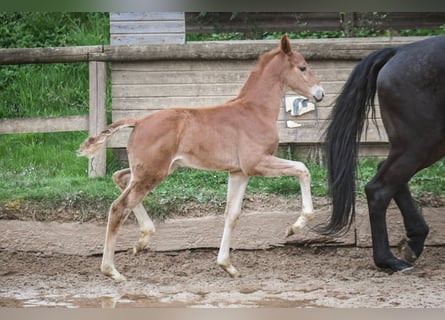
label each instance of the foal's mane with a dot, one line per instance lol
(263, 61)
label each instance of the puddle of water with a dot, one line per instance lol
(86, 302)
(179, 300)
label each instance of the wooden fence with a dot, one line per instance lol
(94, 122)
(332, 58)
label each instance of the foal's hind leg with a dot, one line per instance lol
(271, 166)
(147, 228)
(235, 193)
(119, 211)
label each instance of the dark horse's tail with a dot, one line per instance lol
(343, 134)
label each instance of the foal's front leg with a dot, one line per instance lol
(271, 166)
(235, 193)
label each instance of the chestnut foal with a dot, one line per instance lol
(238, 137)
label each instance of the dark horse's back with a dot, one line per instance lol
(411, 87)
(410, 80)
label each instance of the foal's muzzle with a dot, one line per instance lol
(317, 93)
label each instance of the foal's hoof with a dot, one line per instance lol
(142, 245)
(231, 271)
(289, 232)
(137, 249)
(113, 274)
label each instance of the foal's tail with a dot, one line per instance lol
(343, 134)
(92, 144)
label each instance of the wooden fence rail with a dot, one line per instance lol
(97, 56)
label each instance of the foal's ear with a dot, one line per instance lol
(285, 45)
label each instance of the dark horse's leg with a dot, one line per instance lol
(379, 191)
(412, 107)
(416, 228)
(415, 225)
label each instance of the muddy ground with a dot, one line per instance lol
(284, 276)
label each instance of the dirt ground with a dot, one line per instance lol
(283, 276)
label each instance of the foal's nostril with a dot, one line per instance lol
(319, 96)
(317, 93)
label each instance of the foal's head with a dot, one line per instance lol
(297, 74)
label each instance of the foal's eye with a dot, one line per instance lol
(302, 69)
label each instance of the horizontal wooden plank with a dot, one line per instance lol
(34, 125)
(215, 75)
(312, 49)
(183, 65)
(184, 90)
(320, 67)
(141, 105)
(322, 112)
(141, 27)
(311, 133)
(158, 103)
(195, 89)
(148, 39)
(178, 77)
(123, 104)
(316, 49)
(146, 16)
(47, 55)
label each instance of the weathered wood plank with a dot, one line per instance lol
(133, 28)
(195, 89)
(185, 90)
(179, 77)
(122, 104)
(146, 16)
(185, 65)
(36, 125)
(141, 27)
(159, 103)
(221, 75)
(97, 115)
(326, 69)
(312, 49)
(141, 109)
(147, 39)
(47, 55)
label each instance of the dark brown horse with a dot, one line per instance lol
(410, 81)
(238, 137)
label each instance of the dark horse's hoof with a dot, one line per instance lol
(406, 252)
(394, 264)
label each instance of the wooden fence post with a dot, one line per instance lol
(97, 116)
